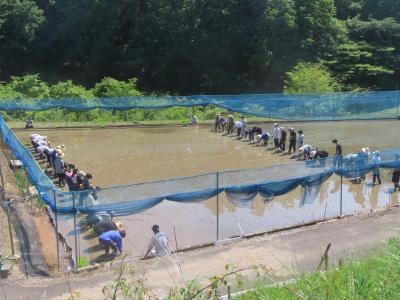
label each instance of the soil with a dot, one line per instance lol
(47, 240)
(43, 229)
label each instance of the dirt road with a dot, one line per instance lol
(287, 253)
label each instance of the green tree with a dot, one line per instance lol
(309, 78)
(19, 23)
(68, 90)
(30, 86)
(110, 87)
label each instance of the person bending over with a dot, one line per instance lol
(263, 137)
(106, 225)
(253, 132)
(158, 245)
(112, 239)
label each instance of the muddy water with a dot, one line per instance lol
(124, 156)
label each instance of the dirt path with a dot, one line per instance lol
(286, 253)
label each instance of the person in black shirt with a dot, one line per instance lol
(292, 140)
(282, 141)
(338, 154)
(106, 225)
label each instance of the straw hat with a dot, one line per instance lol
(119, 225)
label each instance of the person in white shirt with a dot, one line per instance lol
(276, 133)
(238, 126)
(300, 139)
(243, 129)
(158, 245)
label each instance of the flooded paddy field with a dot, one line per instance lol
(120, 156)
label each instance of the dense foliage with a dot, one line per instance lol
(188, 47)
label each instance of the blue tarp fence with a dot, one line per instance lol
(325, 106)
(240, 186)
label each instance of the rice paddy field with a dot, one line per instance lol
(122, 156)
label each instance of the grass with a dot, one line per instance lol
(374, 278)
(23, 184)
(50, 124)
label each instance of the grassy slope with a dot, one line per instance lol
(375, 278)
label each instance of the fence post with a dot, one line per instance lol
(76, 241)
(56, 228)
(341, 185)
(333, 106)
(217, 207)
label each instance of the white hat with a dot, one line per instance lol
(365, 150)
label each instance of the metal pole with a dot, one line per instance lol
(76, 241)
(333, 106)
(56, 221)
(217, 207)
(341, 185)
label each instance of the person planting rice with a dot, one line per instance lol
(230, 124)
(221, 123)
(244, 125)
(105, 226)
(238, 126)
(292, 140)
(276, 132)
(253, 132)
(59, 168)
(376, 160)
(112, 239)
(282, 141)
(158, 245)
(195, 120)
(305, 152)
(263, 137)
(321, 155)
(338, 154)
(396, 179)
(88, 192)
(29, 123)
(217, 118)
(72, 179)
(300, 139)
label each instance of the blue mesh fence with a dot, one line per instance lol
(332, 106)
(240, 185)
(226, 192)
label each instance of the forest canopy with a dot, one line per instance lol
(201, 46)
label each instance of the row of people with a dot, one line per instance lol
(66, 173)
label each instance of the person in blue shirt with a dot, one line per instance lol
(112, 239)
